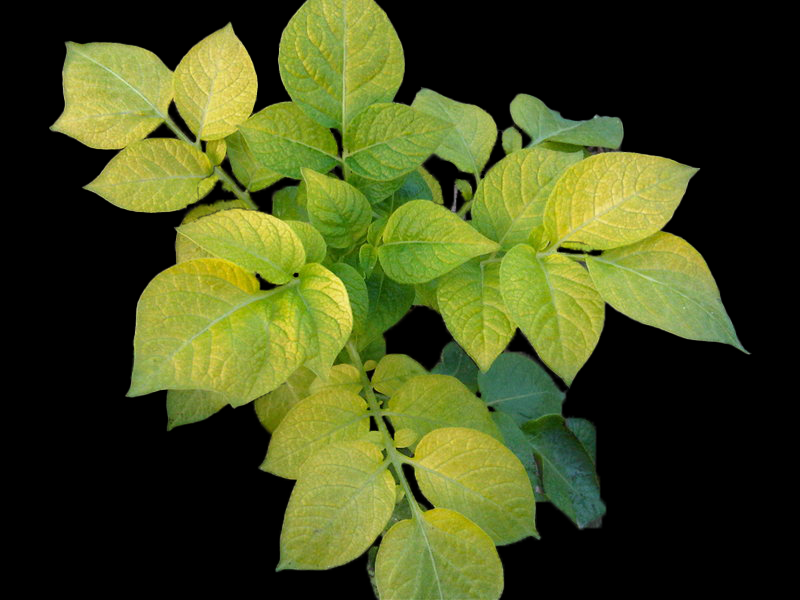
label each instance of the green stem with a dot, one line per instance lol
(394, 456)
(241, 194)
(462, 212)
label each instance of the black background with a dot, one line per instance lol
(135, 505)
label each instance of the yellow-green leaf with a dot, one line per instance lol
(405, 437)
(440, 555)
(114, 94)
(341, 502)
(216, 150)
(313, 242)
(427, 402)
(253, 240)
(541, 124)
(337, 57)
(475, 474)
(341, 377)
(271, 408)
(423, 241)
(664, 282)
(154, 175)
(191, 406)
(512, 140)
(614, 199)
(554, 303)
(284, 139)
(314, 422)
(470, 302)
(357, 293)
(216, 85)
(389, 301)
(247, 170)
(469, 143)
(185, 249)
(386, 141)
(510, 200)
(393, 371)
(339, 211)
(205, 324)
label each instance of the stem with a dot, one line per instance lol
(241, 194)
(462, 212)
(394, 456)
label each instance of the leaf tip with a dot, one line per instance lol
(284, 564)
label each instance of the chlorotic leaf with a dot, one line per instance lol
(473, 135)
(312, 240)
(271, 408)
(253, 240)
(191, 406)
(216, 85)
(457, 363)
(517, 385)
(614, 199)
(465, 189)
(393, 371)
(512, 140)
(473, 473)
(568, 472)
(470, 302)
(216, 150)
(245, 166)
(339, 211)
(357, 292)
(389, 301)
(404, 438)
(386, 141)
(341, 377)
(376, 191)
(510, 200)
(341, 502)
(314, 422)
(114, 94)
(283, 139)
(154, 175)
(440, 555)
(664, 282)
(423, 241)
(554, 303)
(427, 402)
(541, 123)
(337, 57)
(185, 249)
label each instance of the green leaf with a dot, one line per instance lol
(456, 363)
(253, 240)
(541, 123)
(568, 472)
(204, 324)
(312, 240)
(357, 293)
(314, 422)
(284, 139)
(191, 406)
(441, 555)
(516, 441)
(389, 301)
(386, 141)
(517, 385)
(465, 188)
(216, 85)
(337, 57)
(425, 294)
(615, 199)
(376, 191)
(473, 473)
(185, 249)
(470, 302)
(473, 135)
(664, 282)
(339, 211)
(216, 151)
(271, 408)
(289, 203)
(393, 371)
(247, 170)
(554, 303)
(153, 175)
(367, 258)
(586, 434)
(512, 140)
(341, 502)
(423, 241)
(114, 94)
(341, 377)
(510, 200)
(417, 185)
(427, 402)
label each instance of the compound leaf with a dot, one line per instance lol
(338, 210)
(440, 555)
(554, 303)
(114, 94)
(216, 85)
(341, 502)
(614, 199)
(154, 175)
(473, 473)
(423, 241)
(253, 240)
(664, 282)
(337, 57)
